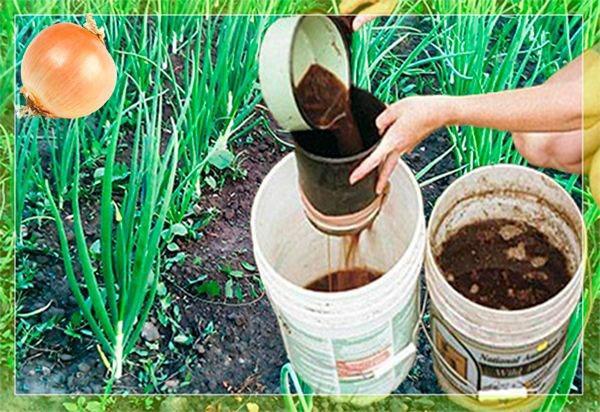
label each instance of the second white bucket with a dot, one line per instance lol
(351, 343)
(503, 359)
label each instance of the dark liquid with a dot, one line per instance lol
(344, 280)
(365, 109)
(327, 105)
(351, 250)
(503, 264)
(354, 274)
(325, 101)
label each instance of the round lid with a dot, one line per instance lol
(319, 40)
(292, 45)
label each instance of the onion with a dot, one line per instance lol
(67, 71)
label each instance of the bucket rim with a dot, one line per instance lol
(337, 160)
(420, 230)
(458, 298)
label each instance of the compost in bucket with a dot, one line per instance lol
(325, 101)
(503, 264)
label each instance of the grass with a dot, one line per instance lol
(496, 54)
(139, 59)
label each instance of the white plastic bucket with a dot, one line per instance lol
(356, 342)
(502, 356)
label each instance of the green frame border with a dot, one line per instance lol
(10, 8)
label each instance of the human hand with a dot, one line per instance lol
(369, 10)
(403, 125)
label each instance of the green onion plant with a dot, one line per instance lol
(494, 53)
(214, 95)
(129, 237)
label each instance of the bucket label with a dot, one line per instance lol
(347, 365)
(357, 356)
(472, 367)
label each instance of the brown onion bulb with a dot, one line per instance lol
(67, 71)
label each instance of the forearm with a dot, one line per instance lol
(549, 107)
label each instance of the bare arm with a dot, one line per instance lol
(554, 106)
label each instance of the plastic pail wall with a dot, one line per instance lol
(356, 342)
(502, 356)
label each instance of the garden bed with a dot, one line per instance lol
(211, 329)
(244, 354)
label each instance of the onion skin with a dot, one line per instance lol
(67, 72)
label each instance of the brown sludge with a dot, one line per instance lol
(352, 276)
(343, 280)
(503, 264)
(325, 101)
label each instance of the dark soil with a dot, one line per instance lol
(503, 264)
(247, 352)
(243, 355)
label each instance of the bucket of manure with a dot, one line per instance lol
(504, 271)
(347, 307)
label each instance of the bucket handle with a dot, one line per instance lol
(303, 392)
(383, 368)
(493, 394)
(409, 350)
(281, 136)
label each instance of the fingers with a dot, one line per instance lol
(361, 19)
(372, 161)
(391, 141)
(385, 119)
(386, 171)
